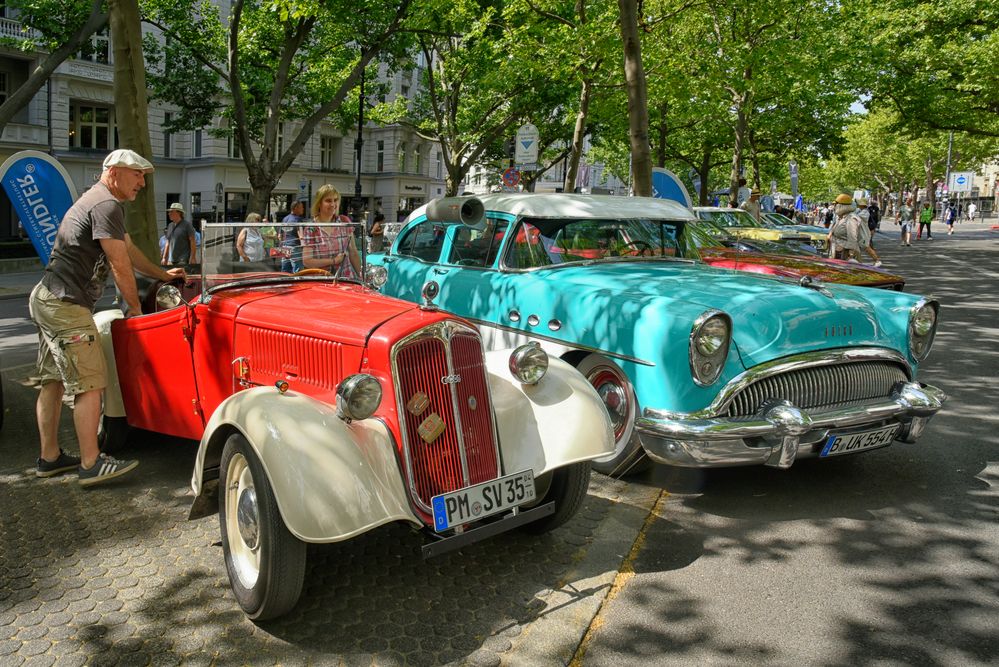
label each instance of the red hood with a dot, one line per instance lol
(827, 270)
(343, 312)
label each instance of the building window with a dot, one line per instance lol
(416, 160)
(97, 48)
(3, 87)
(233, 150)
(91, 127)
(280, 140)
(381, 157)
(404, 91)
(167, 135)
(440, 166)
(198, 137)
(402, 157)
(329, 149)
(195, 202)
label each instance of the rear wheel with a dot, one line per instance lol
(567, 488)
(265, 562)
(618, 397)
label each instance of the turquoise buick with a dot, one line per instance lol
(697, 366)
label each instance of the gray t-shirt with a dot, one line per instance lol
(179, 237)
(78, 267)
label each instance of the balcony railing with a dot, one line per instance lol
(12, 28)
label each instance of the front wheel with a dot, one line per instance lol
(265, 562)
(567, 488)
(618, 396)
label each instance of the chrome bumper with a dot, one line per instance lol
(782, 432)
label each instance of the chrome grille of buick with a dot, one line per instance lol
(444, 410)
(821, 387)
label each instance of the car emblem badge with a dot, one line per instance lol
(451, 379)
(431, 428)
(472, 403)
(418, 403)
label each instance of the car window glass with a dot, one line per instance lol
(540, 243)
(477, 247)
(423, 241)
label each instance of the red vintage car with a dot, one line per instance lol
(324, 409)
(712, 244)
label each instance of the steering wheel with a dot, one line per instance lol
(312, 272)
(641, 247)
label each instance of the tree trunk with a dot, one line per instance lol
(578, 134)
(931, 191)
(741, 125)
(638, 108)
(704, 171)
(132, 114)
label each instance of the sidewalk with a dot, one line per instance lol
(18, 285)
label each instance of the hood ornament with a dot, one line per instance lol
(809, 282)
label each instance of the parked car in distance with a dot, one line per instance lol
(325, 409)
(743, 225)
(819, 235)
(697, 366)
(715, 246)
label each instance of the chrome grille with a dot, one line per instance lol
(465, 452)
(821, 388)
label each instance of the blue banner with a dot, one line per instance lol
(665, 185)
(41, 192)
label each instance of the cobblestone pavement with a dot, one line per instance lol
(116, 575)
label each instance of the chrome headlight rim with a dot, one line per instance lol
(529, 363)
(375, 275)
(357, 397)
(921, 343)
(708, 359)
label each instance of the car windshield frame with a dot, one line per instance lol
(544, 243)
(221, 268)
(732, 218)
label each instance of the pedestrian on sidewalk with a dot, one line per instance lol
(182, 243)
(865, 234)
(925, 219)
(903, 218)
(950, 213)
(972, 210)
(845, 236)
(91, 242)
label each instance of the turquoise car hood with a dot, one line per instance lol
(773, 317)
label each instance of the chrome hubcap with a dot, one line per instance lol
(246, 517)
(242, 522)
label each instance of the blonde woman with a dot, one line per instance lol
(250, 243)
(327, 248)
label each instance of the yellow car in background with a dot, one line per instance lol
(742, 224)
(818, 235)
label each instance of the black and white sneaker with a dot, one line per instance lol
(64, 463)
(106, 467)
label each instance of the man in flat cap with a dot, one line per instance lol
(90, 244)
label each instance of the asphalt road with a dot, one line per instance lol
(888, 558)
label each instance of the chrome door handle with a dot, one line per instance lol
(439, 271)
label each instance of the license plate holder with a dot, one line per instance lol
(861, 441)
(481, 500)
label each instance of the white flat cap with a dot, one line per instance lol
(129, 159)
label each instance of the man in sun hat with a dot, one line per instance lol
(90, 244)
(181, 246)
(752, 205)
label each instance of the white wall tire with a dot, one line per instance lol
(618, 396)
(265, 562)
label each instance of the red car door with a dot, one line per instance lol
(156, 372)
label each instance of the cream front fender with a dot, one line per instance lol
(332, 480)
(560, 420)
(113, 405)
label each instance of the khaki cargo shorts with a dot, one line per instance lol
(69, 350)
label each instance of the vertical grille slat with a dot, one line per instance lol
(422, 362)
(313, 361)
(821, 387)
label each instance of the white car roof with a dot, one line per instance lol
(562, 205)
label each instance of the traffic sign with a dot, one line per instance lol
(511, 177)
(961, 181)
(526, 146)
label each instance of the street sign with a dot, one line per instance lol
(526, 146)
(302, 186)
(961, 181)
(511, 177)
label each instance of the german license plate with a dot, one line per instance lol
(476, 502)
(857, 442)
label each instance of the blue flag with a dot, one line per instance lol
(41, 192)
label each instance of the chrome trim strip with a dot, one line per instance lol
(559, 341)
(784, 365)
(447, 331)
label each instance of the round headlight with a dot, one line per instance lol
(357, 397)
(924, 320)
(376, 275)
(529, 363)
(922, 328)
(711, 336)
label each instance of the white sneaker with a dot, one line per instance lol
(877, 264)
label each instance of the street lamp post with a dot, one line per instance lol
(358, 202)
